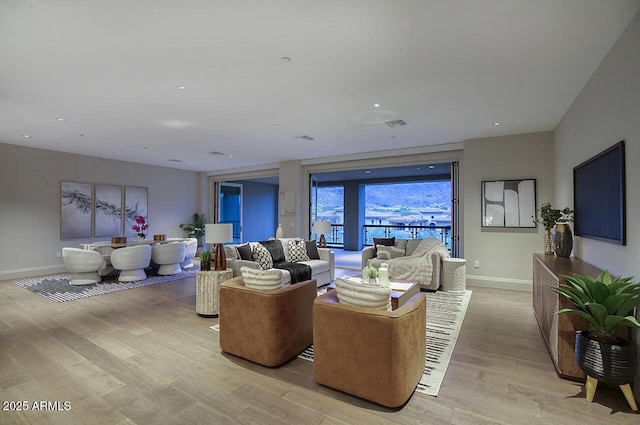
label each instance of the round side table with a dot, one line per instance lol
(454, 274)
(207, 290)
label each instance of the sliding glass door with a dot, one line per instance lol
(229, 207)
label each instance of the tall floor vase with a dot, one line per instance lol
(563, 240)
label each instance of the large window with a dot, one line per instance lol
(408, 210)
(331, 208)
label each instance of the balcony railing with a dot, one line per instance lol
(443, 233)
(336, 238)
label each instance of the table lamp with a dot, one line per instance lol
(321, 228)
(217, 234)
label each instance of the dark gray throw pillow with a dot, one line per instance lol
(244, 251)
(382, 241)
(275, 249)
(312, 250)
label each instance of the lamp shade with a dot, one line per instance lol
(218, 233)
(321, 227)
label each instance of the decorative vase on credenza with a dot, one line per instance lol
(563, 240)
(548, 243)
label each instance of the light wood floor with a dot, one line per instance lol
(143, 356)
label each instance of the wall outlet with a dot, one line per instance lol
(58, 254)
(476, 264)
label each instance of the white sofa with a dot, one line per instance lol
(405, 248)
(322, 270)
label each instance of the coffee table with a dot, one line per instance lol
(401, 291)
(400, 297)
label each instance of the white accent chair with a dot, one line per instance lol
(131, 261)
(168, 256)
(83, 264)
(190, 252)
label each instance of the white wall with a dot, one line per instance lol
(505, 255)
(606, 111)
(30, 202)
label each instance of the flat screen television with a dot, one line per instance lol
(599, 196)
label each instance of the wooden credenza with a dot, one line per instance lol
(558, 330)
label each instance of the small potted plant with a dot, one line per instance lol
(372, 274)
(205, 258)
(606, 304)
(140, 227)
(552, 218)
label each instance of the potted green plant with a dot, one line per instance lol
(558, 219)
(606, 303)
(195, 229)
(205, 260)
(372, 274)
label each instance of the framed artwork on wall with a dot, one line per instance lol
(135, 203)
(108, 210)
(509, 203)
(75, 210)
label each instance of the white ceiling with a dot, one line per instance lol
(448, 68)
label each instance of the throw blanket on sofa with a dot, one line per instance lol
(418, 266)
(299, 272)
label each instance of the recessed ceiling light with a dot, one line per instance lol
(497, 123)
(26, 136)
(183, 88)
(367, 172)
(230, 156)
(276, 124)
(328, 146)
(376, 105)
(432, 166)
(285, 59)
(60, 119)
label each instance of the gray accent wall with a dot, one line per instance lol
(30, 202)
(606, 111)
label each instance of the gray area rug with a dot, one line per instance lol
(56, 287)
(445, 314)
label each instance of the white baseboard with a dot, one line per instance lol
(500, 283)
(32, 271)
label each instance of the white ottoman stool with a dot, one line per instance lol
(454, 274)
(168, 256)
(131, 261)
(83, 264)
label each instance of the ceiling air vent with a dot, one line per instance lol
(305, 137)
(215, 153)
(395, 123)
(175, 160)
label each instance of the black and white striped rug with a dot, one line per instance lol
(56, 287)
(445, 314)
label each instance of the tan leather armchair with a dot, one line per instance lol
(266, 327)
(373, 354)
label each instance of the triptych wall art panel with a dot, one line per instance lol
(75, 210)
(135, 203)
(108, 210)
(99, 210)
(509, 203)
